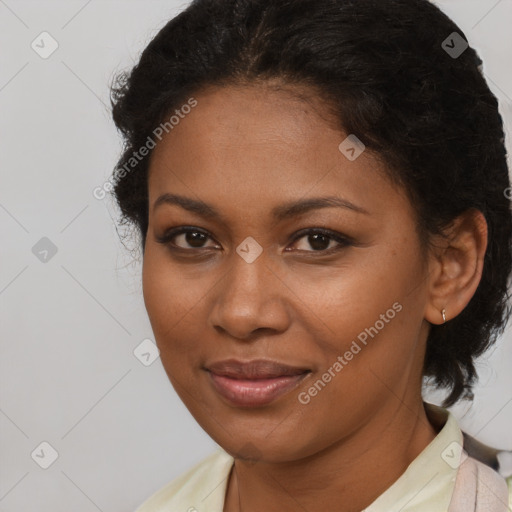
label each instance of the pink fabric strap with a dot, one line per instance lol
(478, 488)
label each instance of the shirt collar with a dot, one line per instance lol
(428, 482)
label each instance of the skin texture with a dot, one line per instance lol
(245, 150)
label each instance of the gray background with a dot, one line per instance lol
(70, 324)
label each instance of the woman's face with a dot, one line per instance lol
(248, 283)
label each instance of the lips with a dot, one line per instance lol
(254, 383)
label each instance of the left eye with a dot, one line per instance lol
(320, 240)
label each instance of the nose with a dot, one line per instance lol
(250, 298)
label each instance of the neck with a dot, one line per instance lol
(342, 474)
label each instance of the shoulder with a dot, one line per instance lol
(499, 460)
(205, 482)
(478, 485)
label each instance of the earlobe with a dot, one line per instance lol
(436, 316)
(458, 265)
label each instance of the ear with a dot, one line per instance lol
(455, 266)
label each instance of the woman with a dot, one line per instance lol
(320, 187)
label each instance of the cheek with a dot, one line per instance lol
(169, 301)
(369, 311)
(347, 298)
(157, 286)
(169, 305)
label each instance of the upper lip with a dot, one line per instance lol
(255, 369)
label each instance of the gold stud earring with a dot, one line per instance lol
(444, 315)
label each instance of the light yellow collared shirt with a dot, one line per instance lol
(426, 485)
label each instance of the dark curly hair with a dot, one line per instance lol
(384, 68)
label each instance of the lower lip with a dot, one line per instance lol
(255, 392)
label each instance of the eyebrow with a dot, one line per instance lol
(279, 213)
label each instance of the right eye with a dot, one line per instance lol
(194, 237)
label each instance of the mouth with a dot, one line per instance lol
(254, 383)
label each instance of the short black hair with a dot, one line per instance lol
(391, 72)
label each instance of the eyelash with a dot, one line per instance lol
(333, 235)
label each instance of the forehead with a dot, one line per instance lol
(255, 145)
(254, 120)
(250, 118)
